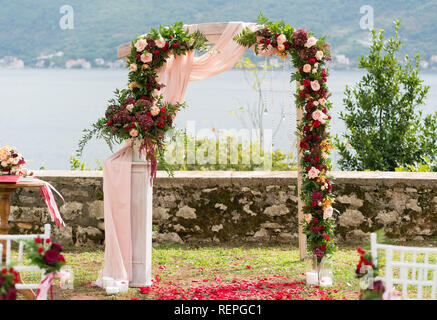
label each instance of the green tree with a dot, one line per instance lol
(385, 127)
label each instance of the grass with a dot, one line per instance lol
(187, 266)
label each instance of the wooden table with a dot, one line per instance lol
(6, 190)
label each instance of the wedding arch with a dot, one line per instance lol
(161, 64)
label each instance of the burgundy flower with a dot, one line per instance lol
(300, 37)
(57, 247)
(51, 257)
(317, 196)
(319, 253)
(378, 285)
(2, 281)
(11, 294)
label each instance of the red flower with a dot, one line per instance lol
(302, 94)
(40, 250)
(323, 248)
(38, 240)
(249, 267)
(277, 35)
(127, 128)
(175, 46)
(144, 290)
(163, 110)
(308, 168)
(317, 158)
(324, 110)
(307, 82)
(267, 41)
(56, 247)
(133, 125)
(61, 258)
(304, 145)
(315, 220)
(314, 203)
(323, 73)
(163, 116)
(160, 125)
(51, 257)
(149, 114)
(311, 61)
(317, 124)
(306, 128)
(157, 52)
(138, 57)
(361, 251)
(4, 270)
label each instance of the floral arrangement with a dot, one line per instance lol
(12, 162)
(139, 112)
(309, 55)
(45, 254)
(8, 279)
(372, 289)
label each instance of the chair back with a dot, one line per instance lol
(411, 270)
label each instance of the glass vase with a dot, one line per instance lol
(312, 270)
(325, 273)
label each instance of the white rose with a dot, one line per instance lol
(4, 164)
(145, 58)
(315, 85)
(319, 55)
(133, 67)
(314, 71)
(316, 65)
(160, 43)
(282, 38)
(140, 45)
(327, 213)
(311, 42)
(307, 68)
(129, 107)
(316, 103)
(302, 88)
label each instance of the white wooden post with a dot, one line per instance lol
(300, 217)
(141, 221)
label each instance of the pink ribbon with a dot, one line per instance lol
(46, 283)
(49, 199)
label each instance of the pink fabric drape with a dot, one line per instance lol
(175, 74)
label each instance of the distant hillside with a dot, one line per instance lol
(31, 28)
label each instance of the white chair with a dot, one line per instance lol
(18, 262)
(414, 269)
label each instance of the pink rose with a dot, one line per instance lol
(145, 58)
(315, 85)
(311, 42)
(133, 133)
(281, 47)
(129, 107)
(133, 67)
(322, 101)
(319, 55)
(313, 173)
(155, 111)
(307, 68)
(319, 116)
(140, 45)
(160, 43)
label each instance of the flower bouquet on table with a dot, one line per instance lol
(47, 256)
(12, 162)
(8, 279)
(372, 288)
(140, 111)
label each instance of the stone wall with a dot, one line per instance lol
(224, 207)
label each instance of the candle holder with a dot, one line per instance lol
(312, 270)
(325, 274)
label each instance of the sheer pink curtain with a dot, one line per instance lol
(175, 74)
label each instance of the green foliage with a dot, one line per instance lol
(386, 129)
